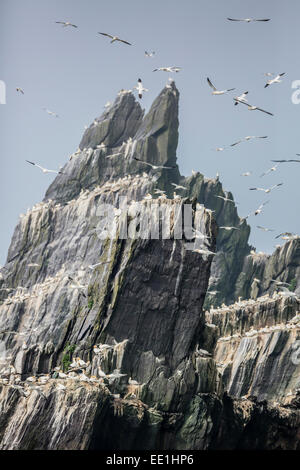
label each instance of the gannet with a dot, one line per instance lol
(265, 229)
(229, 228)
(116, 374)
(132, 382)
(275, 80)
(155, 167)
(219, 149)
(226, 199)
(149, 54)
(242, 97)
(168, 69)
(288, 234)
(259, 210)
(218, 92)
(62, 375)
(254, 108)
(51, 113)
(287, 161)
(80, 362)
(176, 197)
(248, 20)
(148, 197)
(66, 23)
(274, 168)
(203, 252)
(45, 170)
(247, 173)
(236, 143)
(20, 90)
(96, 349)
(268, 190)
(248, 137)
(140, 88)
(178, 186)
(115, 38)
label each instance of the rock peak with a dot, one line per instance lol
(112, 145)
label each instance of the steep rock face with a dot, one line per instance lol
(232, 245)
(257, 348)
(156, 382)
(283, 265)
(143, 301)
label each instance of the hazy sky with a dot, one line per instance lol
(74, 72)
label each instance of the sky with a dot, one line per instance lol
(74, 72)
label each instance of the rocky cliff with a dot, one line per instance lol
(104, 340)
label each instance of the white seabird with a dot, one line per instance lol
(241, 98)
(168, 69)
(217, 92)
(178, 186)
(149, 54)
(51, 113)
(155, 167)
(265, 229)
(229, 228)
(287, 161)
(66, 23)
(275, 80)
(274, 168)
(254, 108)
(268, 190)
(248, 20)
(140, 88)
(45, 170)
(20, 90)
(115, 38)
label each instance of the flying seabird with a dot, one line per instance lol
(218, 92)
(178, 186)
(149, 54)
(274, 168)
(247, 173)
(45, 170)
(265, 229)
(66, 23)
(268, 190)
(249, 137)
(168, 69)
(115, 38)
(248, 20)
(20, 90)
(259, 210)
(226, 199)
(285, 234)
(203, 252)
(140, 88)
(51, 113)
(286, 161)
(230, 228)
(241, 98)
(275, 80)
(155, 167)
(253, 108)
